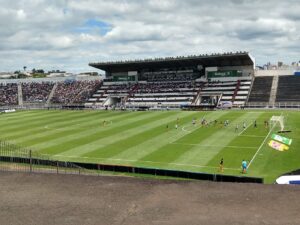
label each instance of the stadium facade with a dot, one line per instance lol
(182, 81)
(240, 64)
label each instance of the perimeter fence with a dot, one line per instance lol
(19, 159)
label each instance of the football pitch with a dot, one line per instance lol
(150, 139)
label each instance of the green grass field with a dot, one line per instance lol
(142, 139)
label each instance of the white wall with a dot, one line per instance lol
(273, 72)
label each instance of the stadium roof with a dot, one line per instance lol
(223, 59)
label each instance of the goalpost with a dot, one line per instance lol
(277, 119)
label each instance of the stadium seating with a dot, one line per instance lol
(234, 91)
(261, 89)
(163, 93)
(36, 92)
(169, 93)
(70, 92)
(100, 96)
(288, 89)
(91, 93)
(8, 94)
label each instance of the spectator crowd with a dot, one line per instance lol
(70, 92)
(36, 92)
(8, 94)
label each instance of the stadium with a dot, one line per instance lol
(170, 118)
(178, 114)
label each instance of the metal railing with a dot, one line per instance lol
(20, 159)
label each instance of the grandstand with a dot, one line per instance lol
(288, 89)
(261, 90)
(280, 91)
(173, 82)
(41, 92)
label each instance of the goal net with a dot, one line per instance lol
(277, 121)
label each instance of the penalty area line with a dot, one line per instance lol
(260, 147)
(245, 129)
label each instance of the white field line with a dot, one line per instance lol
(229, 146)
(245, 129)
(262, 144)
(143, 161)
(183, 129)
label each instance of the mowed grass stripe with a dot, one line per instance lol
(45, 116)
(91, 130)
(139, 139)
(65, 128)
(37, 121)
(223, 137)
(178, 153)
(18, 115)
(39, 128)
(160, 141)
(157, 141)
(85, 143)
(135, 128)
(11, 126)
(169, 152)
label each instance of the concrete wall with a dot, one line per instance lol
(273, 72)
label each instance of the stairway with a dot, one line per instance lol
(273, 91)
(51, 94)
(237, 88)
(20, 94)
(197, 97)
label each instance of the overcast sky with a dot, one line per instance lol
(68, 34)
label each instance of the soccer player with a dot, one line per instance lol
(221, 165)
(221, 123)
(255, 124)
(237, 128)
(194, 122)
(244, 125)
(266, 124)
(176, 126)
(244, 166)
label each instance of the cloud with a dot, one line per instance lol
(68, 34)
